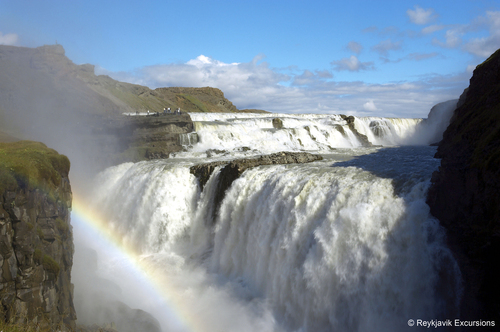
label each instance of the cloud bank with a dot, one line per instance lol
(457, 36)
(255, 84)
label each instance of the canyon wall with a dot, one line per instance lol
(36, 239)
(465, 191)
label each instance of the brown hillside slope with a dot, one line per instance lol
(43, 78)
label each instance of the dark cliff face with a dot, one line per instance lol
(36, 240)
(465, 192)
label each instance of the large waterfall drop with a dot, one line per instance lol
(342, 244)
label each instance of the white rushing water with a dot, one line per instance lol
(234, 133)
(342, 244)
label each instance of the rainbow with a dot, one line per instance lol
(83, 216)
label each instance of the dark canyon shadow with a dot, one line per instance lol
(405, 165)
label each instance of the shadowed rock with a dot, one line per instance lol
(350, 123)
(465, 192)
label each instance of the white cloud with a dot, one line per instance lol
(9, 39)
(354, 47)
(351, 64)
(485, 46)
(204, 71)
(458, 36)
(421, 16)
(310, 78)
(370, 106)
(453, 38)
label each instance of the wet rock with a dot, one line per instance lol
(213, 152)
(339, 128)
(379, 128)
(144, 137)
(350, 123)
(277, 123)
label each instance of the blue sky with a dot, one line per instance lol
(380, 58)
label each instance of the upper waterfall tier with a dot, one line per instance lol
(268, 133)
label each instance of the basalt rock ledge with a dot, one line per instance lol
(233, 169)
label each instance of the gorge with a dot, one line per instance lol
(247, 221)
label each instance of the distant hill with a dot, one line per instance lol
(45, 97)
(44, 78)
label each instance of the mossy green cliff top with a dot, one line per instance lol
(32, 165)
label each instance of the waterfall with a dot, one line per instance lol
(188, 139)
(345, 244)
(334, 249)
(236, 133)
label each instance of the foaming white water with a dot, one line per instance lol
(341, 244)
(388, 131)
(152, 214)
(333, 249)
(153, 207)
(256, 132)
(236, 133)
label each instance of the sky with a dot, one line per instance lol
(356, 57)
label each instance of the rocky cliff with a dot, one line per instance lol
(465, 191)
(142, 137)
(36, 240)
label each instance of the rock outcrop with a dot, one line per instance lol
(350, 123)
(465, 191)
(142, 137)
(277, 123)
(233, 169)
(36, 240)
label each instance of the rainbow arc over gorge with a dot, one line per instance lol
(86, 216)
